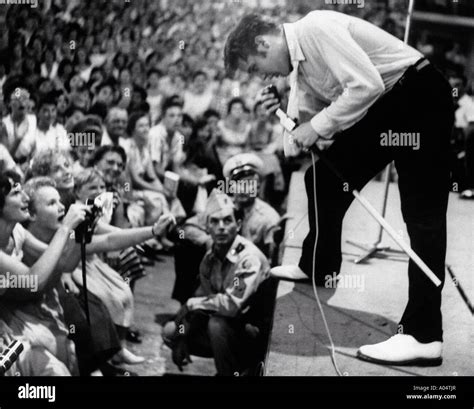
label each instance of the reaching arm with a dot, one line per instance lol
(45, 267)
(122, 239)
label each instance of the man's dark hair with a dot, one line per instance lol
(108, 82)
(171, 102)
(62, 66)
(100, 153)
(209, 113)
(233, 101)
(48, 99)
(11, 84)
(240, 43)
(198, 73)
(72, 109)
(133, 119)
(154, 70)
(187, 121)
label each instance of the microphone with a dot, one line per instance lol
(9, 356)
(287, 122)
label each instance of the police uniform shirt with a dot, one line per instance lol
(259, 223)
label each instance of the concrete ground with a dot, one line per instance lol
(153, 308)
(365, 314)
(369, 311)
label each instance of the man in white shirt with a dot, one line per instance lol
(46, 135)
(18, 124)
(166, 142)
(6, 161)
(200, 97)
(379, 101)
(115, 127)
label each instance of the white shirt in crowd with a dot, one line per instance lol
(26, 128)
(196, 104)
(344, 64)
(7, 162)
(106, 140)
(45, 73)
(165, 153)
(465, 112)
(55, 138)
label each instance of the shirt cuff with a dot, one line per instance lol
(323, 125)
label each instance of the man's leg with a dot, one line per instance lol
(187, 258)
(424, 179)
(358, 155)
(225, 336)
(426, 113)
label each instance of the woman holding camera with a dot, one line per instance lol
(103, 282)
(24, 284)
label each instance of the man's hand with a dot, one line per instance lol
(305, 136)
(180, 353)
(269, 103)
(164, 223)
(181, 315)
(117, 200)
(206, 179)
(68, 284)
(193, 303)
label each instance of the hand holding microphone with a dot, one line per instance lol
(303, 135)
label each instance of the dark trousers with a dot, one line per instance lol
(223, 338)
(469, 160)
(187, 258)
(421, 103)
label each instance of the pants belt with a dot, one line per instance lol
(415, 68)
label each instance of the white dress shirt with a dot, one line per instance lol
(55, 138)
(28, 126)
(166, 152)
(343, 65)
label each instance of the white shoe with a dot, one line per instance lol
(288, 272)
(402, 349)
(124, 356)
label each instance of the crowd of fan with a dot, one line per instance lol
(129, 98)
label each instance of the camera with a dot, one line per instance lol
(101, 205)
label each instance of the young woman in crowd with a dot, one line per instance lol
(29, 313)
(235, 130)
(103, 282)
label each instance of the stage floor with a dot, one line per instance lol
(368, 309)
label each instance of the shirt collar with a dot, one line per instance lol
(296, 53)
(234, 250)
(233, 253)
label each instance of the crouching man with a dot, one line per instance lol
(213, 322)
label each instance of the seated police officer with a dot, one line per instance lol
(243, 174)
(213, 322)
